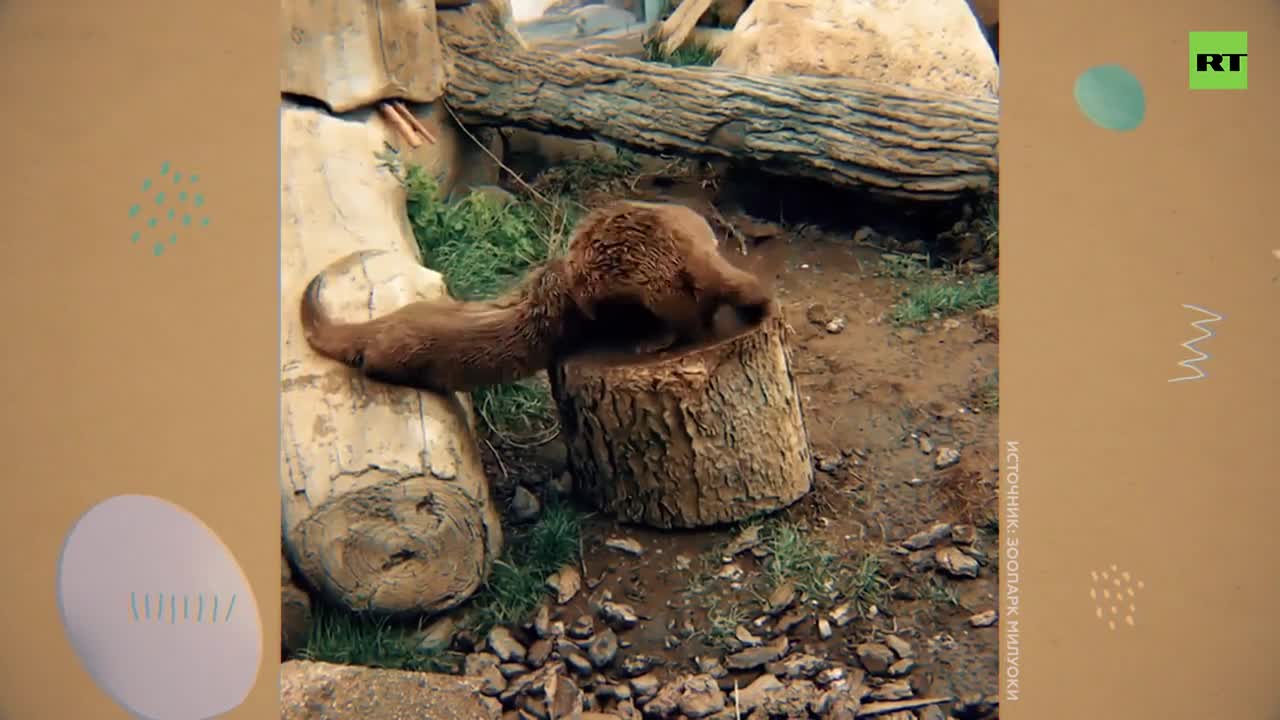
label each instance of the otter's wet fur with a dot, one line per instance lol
(659, 257)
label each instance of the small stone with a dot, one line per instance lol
(837, 326)
(956, 563)
(925, 444)
(921, 561)
(476, 663)
(790, 621)
(538, 653)
(830, 675)
(730, 572)
(542, 622)
(844, 614)
(625, 545)
(824, 628)
(753, 695)
(875, 657)
(665, 702)
(700, 697)
(619, 615)
(863, 234)
(902, 667)
(803, 666)
(900, 647)
(504, 645)
(752, 658)
(512, 670)
(577, 663)
(974, 706)
(582, 628)
(964, 534)
(566, 582)
(525, 505)
(603, 648)
(986, 618)
(745, 637)
(710, 666)
(793, 701)
(928, 538)
(947, 457)
(636, 665)
(747, 539)
(644, 685)
(781, 598)
(895, 690)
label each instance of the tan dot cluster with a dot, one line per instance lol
(1114, 593)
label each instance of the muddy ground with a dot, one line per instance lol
(881, 400)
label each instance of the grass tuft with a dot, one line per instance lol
(346, 638)
(933, 294)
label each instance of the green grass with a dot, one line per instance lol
(937, 293)
(518, 583)
(571, 180)
(989, 392)
(483, 247)
(692, 54)
(347, 638)
(816, 570)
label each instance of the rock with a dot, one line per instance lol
(582, 628)
(484, 667)
(789, 622)
(875, 657)
(319, 691)
(565, 582)
(542, 622)
(744, 636)
(926, 445)
(818, 314)
(578, 664)
(438, 634)
(928, 44)
(525, 506)
(921, 561)
(947, 456)
(863, 234)
(352, 477)
(902, 667)
(753, 695)
(837, 326)
(986, 618)
(792, 701)
(538, 653)
(710, 666)
(895, 690)
(803, 666)
(730, 572)
(844, 614)
(564, 699)
(553, 455)
(700, 697)
(752, 658)
(645, 685)
(619, 615)
(295, 611)
(824, 628)
(956, 563)
(504, 645)
(350, 55)
(665, 702)
(830, 675)
(625, 545)
(900, 647)
(974, 706)
(781, 598)
(928, 538)
(636, 665)
(603, 649)
(964, 534)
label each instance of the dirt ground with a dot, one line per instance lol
(880, 400)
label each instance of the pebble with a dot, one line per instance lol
(895, 690)
(603, 648)
(625, 545)
(831, 675)
(875, 657)
(947, 457)
(577, 663)
(745, 637)
(730, 572)
(837, 326)
(956, 563)
(538, 653)
(900, 647)
(803, 666)
(582, 628)
(964, 534)
(753, 695)
(525, 505)
(974, 706)
(986, 618)
(925, 444)
(753, 658)
(921, 561)
(504, 645)
(824, 628)
(644, 685)
(633, 666)
(566, 582)
(700, 696)
(902, 667)
(712, 666)
(619, 615)
(791, 621)
(844, 614)
(928, 538)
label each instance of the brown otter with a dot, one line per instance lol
(659, 258)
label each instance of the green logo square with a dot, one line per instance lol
(1219, 60)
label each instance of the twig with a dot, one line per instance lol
(882, 708)
(737, 707)
(393, 118)
(413, 121)
(498, 456)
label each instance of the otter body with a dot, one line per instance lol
(661, 258)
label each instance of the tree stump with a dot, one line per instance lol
(690, 438)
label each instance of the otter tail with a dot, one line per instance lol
(336, 341)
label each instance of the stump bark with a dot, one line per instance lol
(892, 141)
(700, 437)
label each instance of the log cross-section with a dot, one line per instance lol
(890, 140)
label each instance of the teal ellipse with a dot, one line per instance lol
(1111, 97)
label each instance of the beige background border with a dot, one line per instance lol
(163, 374)
(125, 372)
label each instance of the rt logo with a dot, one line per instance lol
(1219, 60)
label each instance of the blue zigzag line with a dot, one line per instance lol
(1206, 333)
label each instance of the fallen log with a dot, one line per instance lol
(892, 141)
(688, 438)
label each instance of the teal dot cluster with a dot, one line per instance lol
(184, 201)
